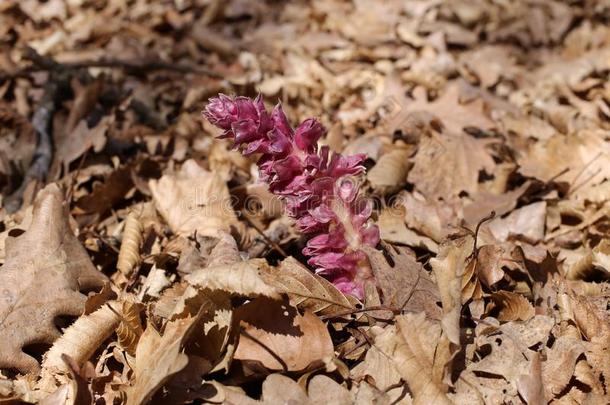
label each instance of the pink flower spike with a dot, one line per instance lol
(316, 185)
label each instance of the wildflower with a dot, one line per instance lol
(318, 186)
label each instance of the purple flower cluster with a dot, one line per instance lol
(316, 184)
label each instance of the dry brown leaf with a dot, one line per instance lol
(454, 115)
(525, 223)
(586, 154)
(392, 228)
(105, 195)
(323, 389)
(129, 254)
(560, 364)
(158, 357)
(276, 335)
(193, 200)
(530, 385)
(377, 364)
(44, 270)
(449, 268)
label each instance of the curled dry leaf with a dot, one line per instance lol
(44, 270)
(130, 328)
(449, 268)
(129, 254)
(79, 342)
(193, 200)
(512, 306)
(390, 173)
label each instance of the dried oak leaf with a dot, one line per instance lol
(45, 270)
(193, 200)
(454, 114)
(276, 335)
(586, 154)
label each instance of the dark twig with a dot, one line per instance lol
(54, 90)
(41, 64)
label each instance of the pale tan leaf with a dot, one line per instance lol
(414, 356)
(377, 364)
(193, 200)
(279, 389)
(79, 342)
(323, 389)
(530, 385)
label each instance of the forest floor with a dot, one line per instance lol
(143, 261)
